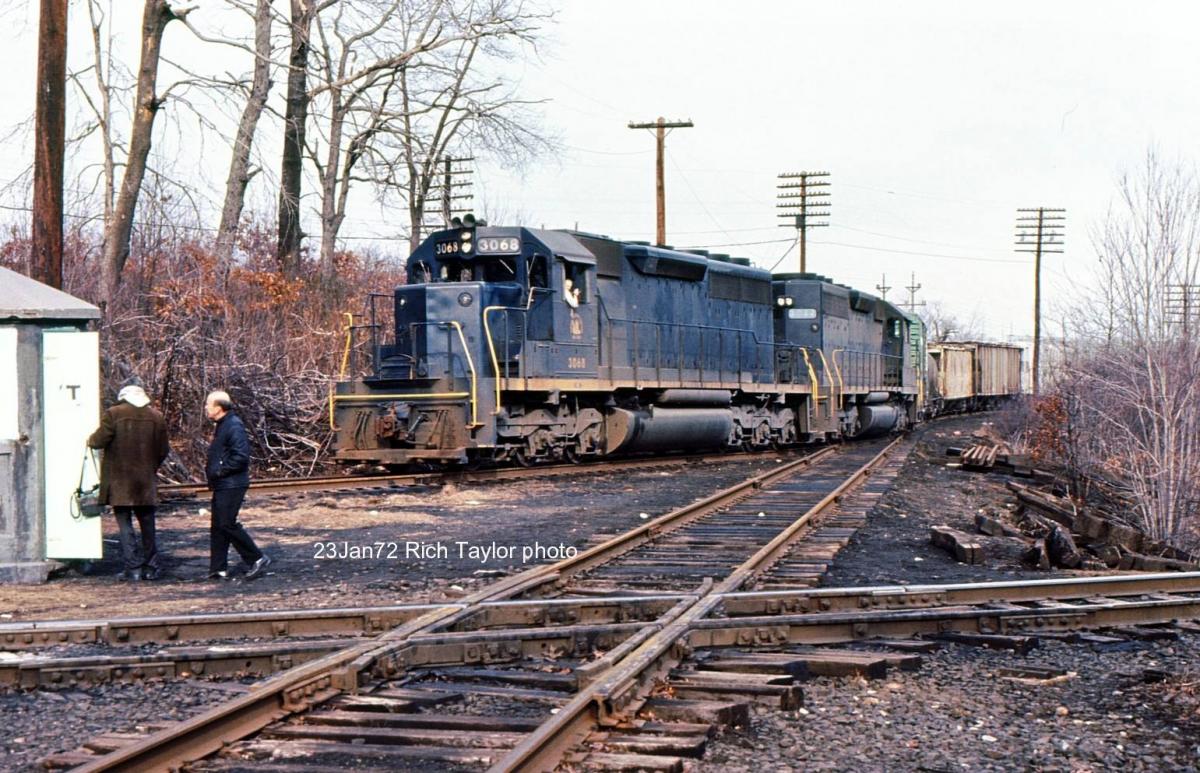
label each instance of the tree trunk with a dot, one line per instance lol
(331, 219)
(239, 166)
(295, 118)
(156, 16)
(104, 114)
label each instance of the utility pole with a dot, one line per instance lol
(883, 287)
(1039, 230)
(808, 212)
(1182, 303)
(48, 132)
(912, 295)
(448, 191)
(660, 129)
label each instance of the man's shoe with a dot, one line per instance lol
(218, 576)
(259, 567)
(130, 576)
(151, 574)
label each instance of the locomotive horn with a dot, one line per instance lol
(456, 221)
(468, 220)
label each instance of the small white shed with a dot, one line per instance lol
(49, 404)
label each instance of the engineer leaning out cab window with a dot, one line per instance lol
(571, 293)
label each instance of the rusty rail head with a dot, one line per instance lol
(622, 688)
(175, 492)
(342, 671)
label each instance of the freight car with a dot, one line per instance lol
(518, 344)
(971, 376)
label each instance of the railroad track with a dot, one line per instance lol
(367, 665)
(556, 657)
(173, 492)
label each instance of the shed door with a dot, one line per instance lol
(71, 396)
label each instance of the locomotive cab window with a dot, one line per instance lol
(455, 271)
(575, 290)
(420, 273)
(897, 328)
(496, 269)
(539, 272)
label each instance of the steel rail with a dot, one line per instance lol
(173, 629)
(200, 627)
(1005, 619)
(910, 596)
(343, 671)
(174, 492)
(1091, 603)
(625, 686)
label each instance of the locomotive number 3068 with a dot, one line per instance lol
(577, 362)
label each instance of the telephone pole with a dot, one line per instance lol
(49, 131)
(883, 287)
(660, 130)
(1039, 230)
(448, 191)
(809, 211)
(912, 296)
(1182, 304)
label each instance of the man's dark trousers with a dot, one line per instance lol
(129, 551)
(226, 531)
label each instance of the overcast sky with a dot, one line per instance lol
(936, 120)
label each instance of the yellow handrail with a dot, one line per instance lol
(829, 375)
(349, 338)
(487, 333)
(474, 377)
(345, 365)
(411, 396)
(838, 369)
(812, 375)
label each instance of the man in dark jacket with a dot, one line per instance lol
(228, 473)
(133, 437)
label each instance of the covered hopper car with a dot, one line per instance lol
(967, 376)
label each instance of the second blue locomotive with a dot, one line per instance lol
(518, 344)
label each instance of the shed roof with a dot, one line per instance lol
(25, 298)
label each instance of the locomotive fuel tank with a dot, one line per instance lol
(658, 428)
(878, 419)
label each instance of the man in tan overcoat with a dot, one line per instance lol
(133, 437)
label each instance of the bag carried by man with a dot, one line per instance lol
(85, 503)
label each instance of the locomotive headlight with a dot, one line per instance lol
(465, 299)
(781, 301)
(790, 301)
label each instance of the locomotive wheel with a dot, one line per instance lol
(521, 457)
(571, 454)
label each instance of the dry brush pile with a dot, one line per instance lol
(185, 323)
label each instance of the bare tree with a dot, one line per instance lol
(397, 85)
(295, 120)
(239, 166)
(941, 325)
(1131, 375)
(157, 14)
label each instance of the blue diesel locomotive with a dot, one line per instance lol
(518, 344)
